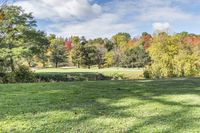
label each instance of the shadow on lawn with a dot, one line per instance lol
(103, 98)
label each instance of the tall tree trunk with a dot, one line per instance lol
(99, 66)
(11, 58)
(43, 64)
(12, 64)
(56, 64)
(29, 63)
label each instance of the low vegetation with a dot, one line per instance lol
(24, 75)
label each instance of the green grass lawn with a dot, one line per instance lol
(101, 106)
(128, 73)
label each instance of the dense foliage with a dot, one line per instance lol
(161, 55)
(13, 28)
(171, 57)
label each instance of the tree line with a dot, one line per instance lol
(161, 55)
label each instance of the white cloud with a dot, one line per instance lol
(161, 27)
(148, 10)
(104, 26)
(84, 17)
(60, 10)
(161, 10)
(164, 14)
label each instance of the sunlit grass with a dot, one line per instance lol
(128, 73)
(102, 106)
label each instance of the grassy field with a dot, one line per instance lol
(127, 73)
(101, 106)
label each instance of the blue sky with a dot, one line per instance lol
(103, 18)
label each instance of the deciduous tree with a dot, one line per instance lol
(58, 52)
(12, 29)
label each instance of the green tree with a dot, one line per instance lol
(89, 55)
(121, 39)
(3, 64)
(172, 58)
(182, 34)
(58, 52)
(12, 30)
(108, 59)
(36, 45)
(78, 50)
(76, 54)
(185, 63)
(108, 44)
(100, 54)
(135, 57)
(100, 51)
(162, 51)
(75, 40)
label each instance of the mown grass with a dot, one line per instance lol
(101, 106)
(126, 73)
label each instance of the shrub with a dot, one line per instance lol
(70, 77)
(146, 74)
(2, 75)
(51, 77)
(9, 78)
(24, 74)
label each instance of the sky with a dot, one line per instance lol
(104, 18)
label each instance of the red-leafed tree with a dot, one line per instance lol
(68, 44)
(146, 38)
(191, 40)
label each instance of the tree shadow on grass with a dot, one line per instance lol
(177, 121)
(109, 99)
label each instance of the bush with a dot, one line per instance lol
(2, 75)
(70, 77)
(9, 78)
(24, 74)
(2, 72)
(146, 74)
(6, 77)
(50, 77)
